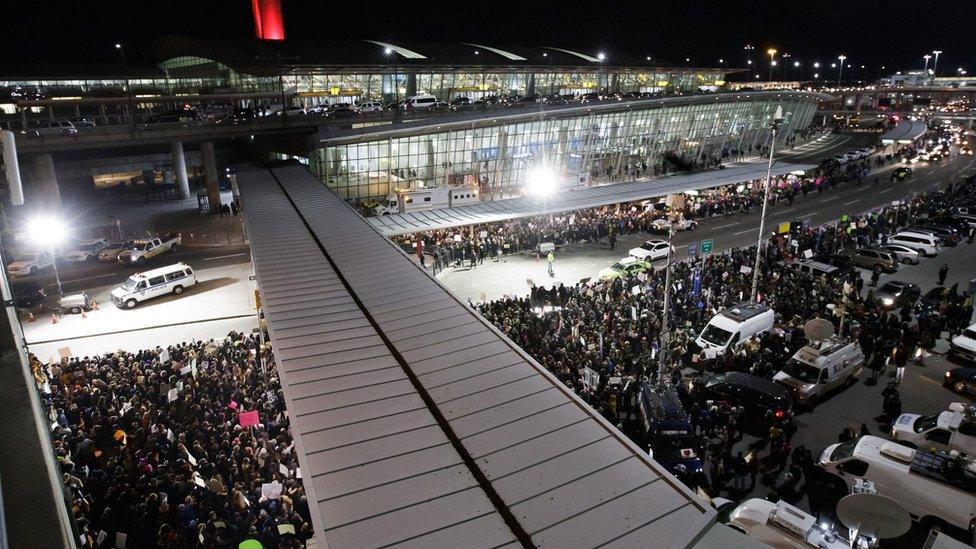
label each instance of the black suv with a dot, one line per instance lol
(842, 262)
(762, 400)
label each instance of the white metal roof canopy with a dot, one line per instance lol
(416, 421)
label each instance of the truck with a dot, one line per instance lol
(819, 368)
(144, 249)
(425, 199)
(954, 429)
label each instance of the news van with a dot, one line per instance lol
(425, 199)
(732, 327)
(820, 367)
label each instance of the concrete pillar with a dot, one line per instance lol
(44, 183)
(210, 176)
(530, 84)
(411, 84)
(179, 167)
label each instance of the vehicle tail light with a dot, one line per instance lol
(779, 414)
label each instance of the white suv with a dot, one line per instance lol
(650, 250)
(369, 106)
(52, 127)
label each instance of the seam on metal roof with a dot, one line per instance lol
(409, 54)
(506, 54)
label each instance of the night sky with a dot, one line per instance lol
(895, 33)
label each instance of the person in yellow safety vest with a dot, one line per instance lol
(550, 259)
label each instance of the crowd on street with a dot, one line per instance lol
(612, 328)
(183, 446)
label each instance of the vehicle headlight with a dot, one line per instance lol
(888, 301)
(948, 375)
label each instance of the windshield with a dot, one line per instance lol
(139, 246)
(27, 257)
(803, 372)
(715, 335)
(649, 245)
(925, 423)
(843, 450)
(88, 246)
(617, 266)
(971, 334)
(130, 284)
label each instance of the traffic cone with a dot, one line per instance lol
(54, 318)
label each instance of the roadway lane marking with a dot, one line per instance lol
(887, 190)
(852, 202)
(726, 226)
(829, 199)
(87, 278)
(222, 257)
(746, 231)
(788, 210)
(806, 216)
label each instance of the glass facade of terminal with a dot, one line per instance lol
(584, 149)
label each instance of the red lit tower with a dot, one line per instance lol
(268, 23)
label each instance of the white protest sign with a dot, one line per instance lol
(173, 394)
(271, 490)
(164, 355)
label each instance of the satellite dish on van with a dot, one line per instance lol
(873, 515)
(818, 329)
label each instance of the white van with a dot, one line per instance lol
(821, 367)
(732, 327)
(419, 102)
(924, 244)
(932, 486)
(954, 429)
(155, 283)
(783, 525)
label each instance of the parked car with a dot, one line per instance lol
(933, 300)
(661, 225)
(895, 294)
(903, 173)
(843, 262)
(144, 249)
(815, 268)
(925, 244)
(626, 266)
(964, 344)
(954, 429)
(905, 254)
(948, 235)
(369, 106)
(27, 295)
(87, 250)
(650, 250)
(173, 279)
(438, 106)
(961, 380)
(52, 127)
(113, 249)
(183, 117)
(28, 263)
(762, 400)
(869, 258)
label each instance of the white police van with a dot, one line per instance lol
(139, 287)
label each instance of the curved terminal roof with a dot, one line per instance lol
(270, 57)
(906, 131)
(416, 422)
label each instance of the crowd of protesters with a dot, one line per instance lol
(161, 447)
(440, 249)
(612, 328)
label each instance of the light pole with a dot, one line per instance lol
(749, 49)
(926, 57)
(772, 61)
(47, 232)
(396, 86)
(542, 184)
(119, 47)
(816, 67)
(840, 71)
(761, 244)
(796, 70)
(935, 64)
(665, 338)
(602, 57)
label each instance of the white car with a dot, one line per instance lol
(650, 250)
(29, 263)
(906, 254)
(369, 106)
(52, 127)
(86, 251)
(661, 225)
(954, 429)
(964, 344)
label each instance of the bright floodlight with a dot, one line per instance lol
(541, 182)
(771, 52)
(118, 45)
(388, 51)
(601, 56)
(47, 231)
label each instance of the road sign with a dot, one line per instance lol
(692, 249)
(707, 246)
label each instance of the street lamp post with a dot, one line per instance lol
(935, 64)
(665, 339)
(772, 61)
(541, 182)
(760, 245)
(119, 47)
(840, 70)
(396, 86)
(749, 49)
(602, 57)
(47, 233)
(926, 57)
